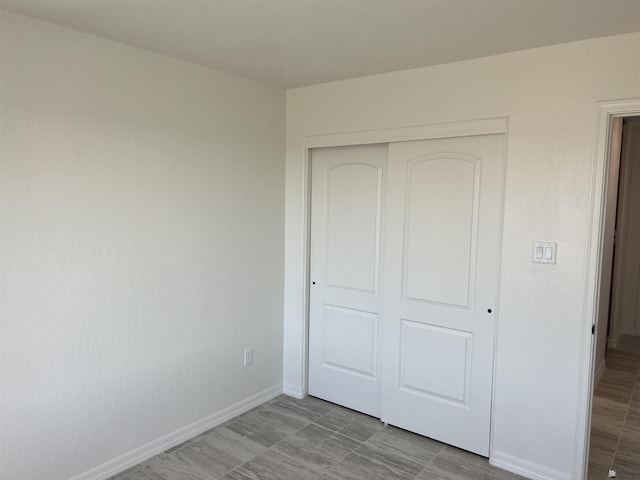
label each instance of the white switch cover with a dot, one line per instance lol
(544, 252)
(248, 356)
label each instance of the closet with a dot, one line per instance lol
(404, 268)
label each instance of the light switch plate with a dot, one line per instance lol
(544, 252)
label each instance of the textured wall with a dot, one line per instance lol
(141, 234)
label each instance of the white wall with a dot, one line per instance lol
(141, 234)
(549, 95)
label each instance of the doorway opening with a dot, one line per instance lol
(615, 396)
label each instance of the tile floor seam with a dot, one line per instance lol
(354, 452)
(613, 455)
(444, 447)
(624, 423)
(206, 433)
(429, 463)
(267, 449)
(322, 469)
(349, 453)
(317, 453)
(426, 465)
(233, 469)
(272, 447)
(627, 361)
(336, 431)
(244, 463)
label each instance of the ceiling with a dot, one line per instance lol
(291, 43)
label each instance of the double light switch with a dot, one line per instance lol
(544, 252)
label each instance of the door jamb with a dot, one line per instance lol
(606, 111)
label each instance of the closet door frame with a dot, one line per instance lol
(488, 126)
(466, 128)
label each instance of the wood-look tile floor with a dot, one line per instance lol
(289, 439)
(615, 416)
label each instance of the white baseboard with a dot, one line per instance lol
(525, 468)
(140, 454)
(599, 372)
(293, 390)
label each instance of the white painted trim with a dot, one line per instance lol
(600, 168)
(498, 289)
(599, 372)
(293, 391)
(524, 468)
(464, 128)
(306, 274)
(453, 129)
(140, 454)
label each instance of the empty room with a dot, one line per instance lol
(319, 239)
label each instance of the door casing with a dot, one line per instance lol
(605, 112)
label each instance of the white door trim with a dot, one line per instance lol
(483, 126)
(465, 128)
(605, 112)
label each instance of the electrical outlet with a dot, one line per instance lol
(248, 356)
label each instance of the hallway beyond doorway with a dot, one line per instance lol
(615, 421)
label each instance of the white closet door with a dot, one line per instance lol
(345, 290)
(442, 243)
